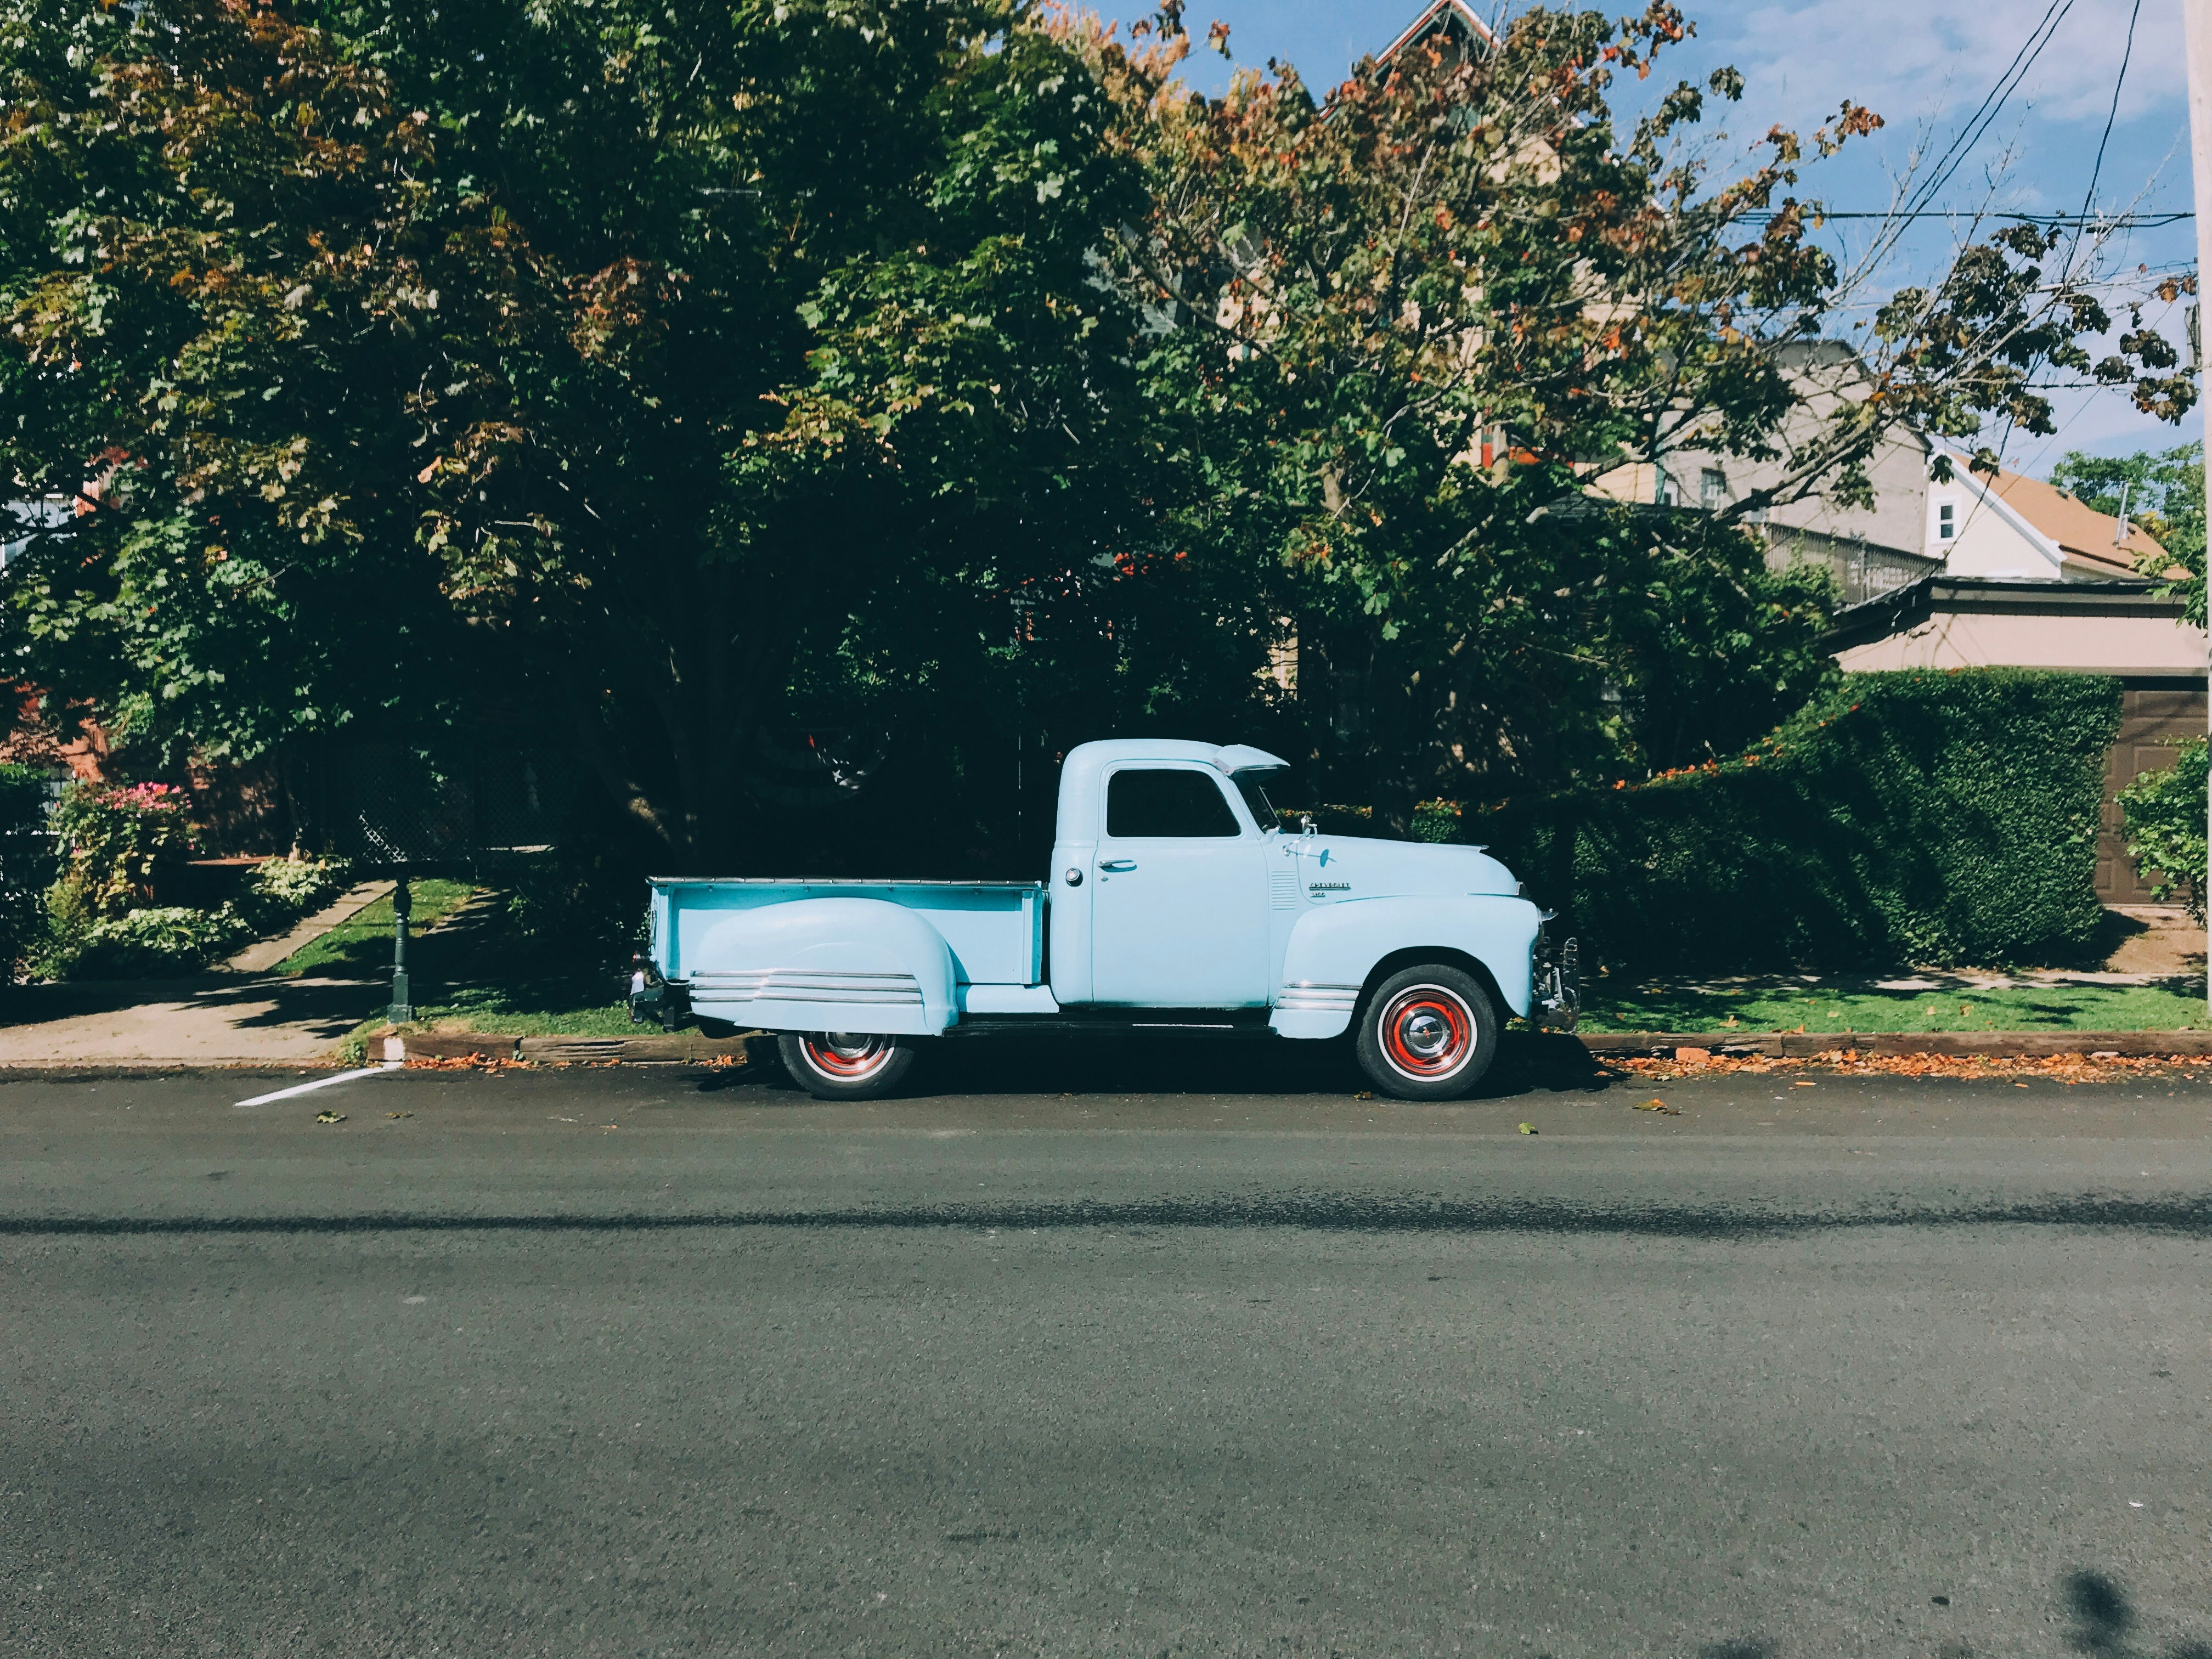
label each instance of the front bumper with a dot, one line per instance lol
(1559, 1000)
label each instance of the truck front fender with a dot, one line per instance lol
(1334, 949)
(826, 964)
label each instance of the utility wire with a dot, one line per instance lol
(2074, 221)
(1992, 104)
(2112, 114)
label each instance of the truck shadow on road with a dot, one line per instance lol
(1528, 1062)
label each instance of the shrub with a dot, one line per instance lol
(283, 889)
(2164, 817)
(1908, 816)
(579, 909)
(155, 943)
(171, 940)
(116, 837)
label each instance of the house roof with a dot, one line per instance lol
(1914, 603)
(2124, 628)
(2079, 529)
(1456, 16)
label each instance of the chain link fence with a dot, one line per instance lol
(386, 808)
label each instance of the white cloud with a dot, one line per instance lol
(1913, 61)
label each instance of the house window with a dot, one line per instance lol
(1712, 490)
(1945, 522)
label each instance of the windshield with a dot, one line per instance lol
(1256, 798)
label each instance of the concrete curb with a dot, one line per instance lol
(1796, 1045)
(677, 1048)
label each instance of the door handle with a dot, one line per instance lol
(1117, 864)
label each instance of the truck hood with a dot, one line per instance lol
(1333, 869)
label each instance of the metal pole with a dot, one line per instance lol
(2197, 21)
(403, 1010)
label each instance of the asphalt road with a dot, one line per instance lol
(642, 1362)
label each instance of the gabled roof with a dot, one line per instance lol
(1454, 17)
(2079, 529)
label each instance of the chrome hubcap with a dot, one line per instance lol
(846, 1053)
(1427, 1032)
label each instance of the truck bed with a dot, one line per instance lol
(995, 928)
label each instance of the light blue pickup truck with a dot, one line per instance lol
(1177, 903)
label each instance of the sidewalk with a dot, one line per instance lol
(209, 1020)
(240, 1014)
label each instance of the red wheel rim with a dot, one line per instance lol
(1426, 1032)
(845, 1055)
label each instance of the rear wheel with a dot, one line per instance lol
(845, 1065)
(1428, 1033)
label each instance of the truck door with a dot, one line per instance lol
(1179, 901)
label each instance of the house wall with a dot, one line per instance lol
(1989, 542)
(2100, 643)
(1897, 474)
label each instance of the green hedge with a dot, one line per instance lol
(1914, 817)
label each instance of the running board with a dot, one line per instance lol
(1165, 1022)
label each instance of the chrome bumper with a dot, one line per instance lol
(1558, 1001)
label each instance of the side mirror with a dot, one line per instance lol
(1306, 824)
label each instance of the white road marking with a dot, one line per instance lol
(303, 1087)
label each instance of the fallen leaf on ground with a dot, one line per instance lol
(2055, 1068)
(329, 1117)
(1364, 1094)
(400, 1114)
(1528, 1128)
(1657, 1106)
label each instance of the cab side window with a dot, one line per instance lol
(1148, 805)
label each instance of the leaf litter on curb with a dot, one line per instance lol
(1850, 1063)
(1528, 1128)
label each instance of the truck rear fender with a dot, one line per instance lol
(826, 964)
(1336, 951)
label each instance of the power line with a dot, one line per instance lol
(2066, 221)
(1992, 104)
(2112, 114)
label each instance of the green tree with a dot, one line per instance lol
(2164, 812)
(2163, 490)
(680, 372)
(1420, 328)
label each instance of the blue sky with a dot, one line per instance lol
(1924, 65)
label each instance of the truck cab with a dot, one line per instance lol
(1175, 901)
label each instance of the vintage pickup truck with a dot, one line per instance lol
(1177, 903)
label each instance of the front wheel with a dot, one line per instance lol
(845, 1064)
(1428, 1033)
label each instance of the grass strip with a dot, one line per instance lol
(2170, 1005)
(360, 945)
